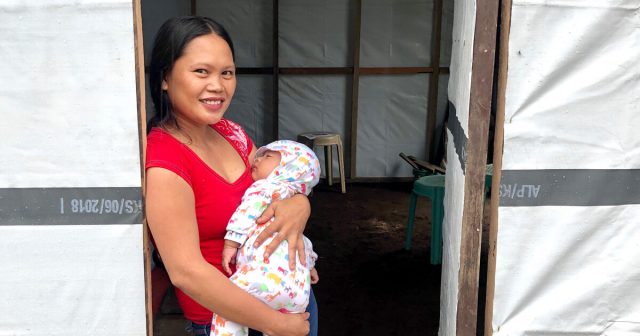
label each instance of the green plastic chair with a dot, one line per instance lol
(432, 186)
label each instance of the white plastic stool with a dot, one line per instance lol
(327, 140)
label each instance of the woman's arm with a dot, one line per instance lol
(170, 211)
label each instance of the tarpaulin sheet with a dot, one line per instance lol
(568, 249)
(392, 118)
(315, 33)
(252, 107)
(248, 22)
(396, 33)
(311, 103)
(70, 188)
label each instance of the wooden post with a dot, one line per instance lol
(142, 133)
(275, 74)
(497, 162)
(479, 115)
(355, 85)
(432, 107)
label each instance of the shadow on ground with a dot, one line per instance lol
(369, 284)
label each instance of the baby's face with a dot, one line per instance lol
(263, 165)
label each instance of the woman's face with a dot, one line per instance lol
(202, 81)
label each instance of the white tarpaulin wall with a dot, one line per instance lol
(457, 129)
(71, 249)
(392, 114)
(568, 248)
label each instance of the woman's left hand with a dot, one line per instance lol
(290, 220)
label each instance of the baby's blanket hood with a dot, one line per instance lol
(299, 166)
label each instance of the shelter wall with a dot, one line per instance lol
(567, 241)
(71, 234)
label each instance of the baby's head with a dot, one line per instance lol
(287, 161)
(264, 163)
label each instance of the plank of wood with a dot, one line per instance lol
(497, 162)
(479, 115)
(432, 107)
(355, 85)
(142, 136)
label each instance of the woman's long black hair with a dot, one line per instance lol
(170, 41)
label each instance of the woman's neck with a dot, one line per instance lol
(190, 133)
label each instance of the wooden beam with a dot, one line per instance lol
(395, 70)
(193, 7)
(255, 71)
(402, 70)
(408, 180)
(317, 71)
(432, 106)
(479, 114)
(339, 71)
(275, 73)
(503, 52)
(142, 135)
(355, 85)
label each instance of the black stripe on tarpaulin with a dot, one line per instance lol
(569, 187)
(70, 206)
(460, 139)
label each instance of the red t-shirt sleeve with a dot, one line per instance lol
(164, 151)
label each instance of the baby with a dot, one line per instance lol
(280, 170)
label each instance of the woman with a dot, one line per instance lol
(197, 170)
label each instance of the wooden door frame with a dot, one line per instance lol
(142, 134)
(480, 96)
(505, 18)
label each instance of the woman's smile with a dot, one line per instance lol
(213, 104)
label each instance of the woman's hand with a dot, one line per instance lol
(290, 220)
(293, 325)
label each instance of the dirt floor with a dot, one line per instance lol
(369, 285)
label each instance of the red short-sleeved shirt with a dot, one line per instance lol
(215, 198)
